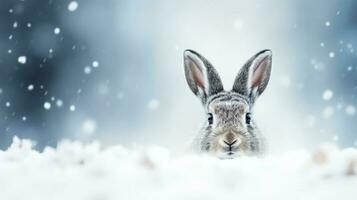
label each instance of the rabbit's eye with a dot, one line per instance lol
(248, 118)
(210, 118)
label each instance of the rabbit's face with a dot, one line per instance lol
(229, 130)
(227, 124)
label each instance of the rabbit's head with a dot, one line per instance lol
(229, 129)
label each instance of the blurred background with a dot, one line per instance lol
(112, 70)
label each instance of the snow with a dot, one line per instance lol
(331, 54)
(72, 6)
(319, 66)
(59, 103)
(327, 95)
(57, 31)
(350, 110)
(72, 108)
(89, 126)
(95, 64)
(30, 87)
(76, 171)
(87, 69)
(327, 23)
(22, 59)
(7, 104)
(47, 105)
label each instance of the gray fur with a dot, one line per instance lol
(229, 135)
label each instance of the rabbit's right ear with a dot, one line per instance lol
(254, 76)
(201, 76)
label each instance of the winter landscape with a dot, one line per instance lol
(94, 104)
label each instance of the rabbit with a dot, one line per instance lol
(229, 130)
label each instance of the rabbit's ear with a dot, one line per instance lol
(201, 76)
(253, 78)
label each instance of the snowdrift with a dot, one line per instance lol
(74, 171)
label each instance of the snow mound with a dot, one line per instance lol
(74, 171)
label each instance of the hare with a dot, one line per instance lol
(229, 130)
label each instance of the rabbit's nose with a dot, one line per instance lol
(229, 139)
(229, 143)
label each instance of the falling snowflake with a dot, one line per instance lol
(47, 105)
(89, 126)
(87, 70)
(331, 54)
(95, 64)
(30, 87)
(57, 31)
(327, 23)
(59, 103)
(72, 108)
(350, 110)
(327, 95)
(22, 59)
(72, 6)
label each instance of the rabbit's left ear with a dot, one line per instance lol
(254, 76)
(201, 76)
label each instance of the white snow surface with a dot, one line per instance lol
(76, 171)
